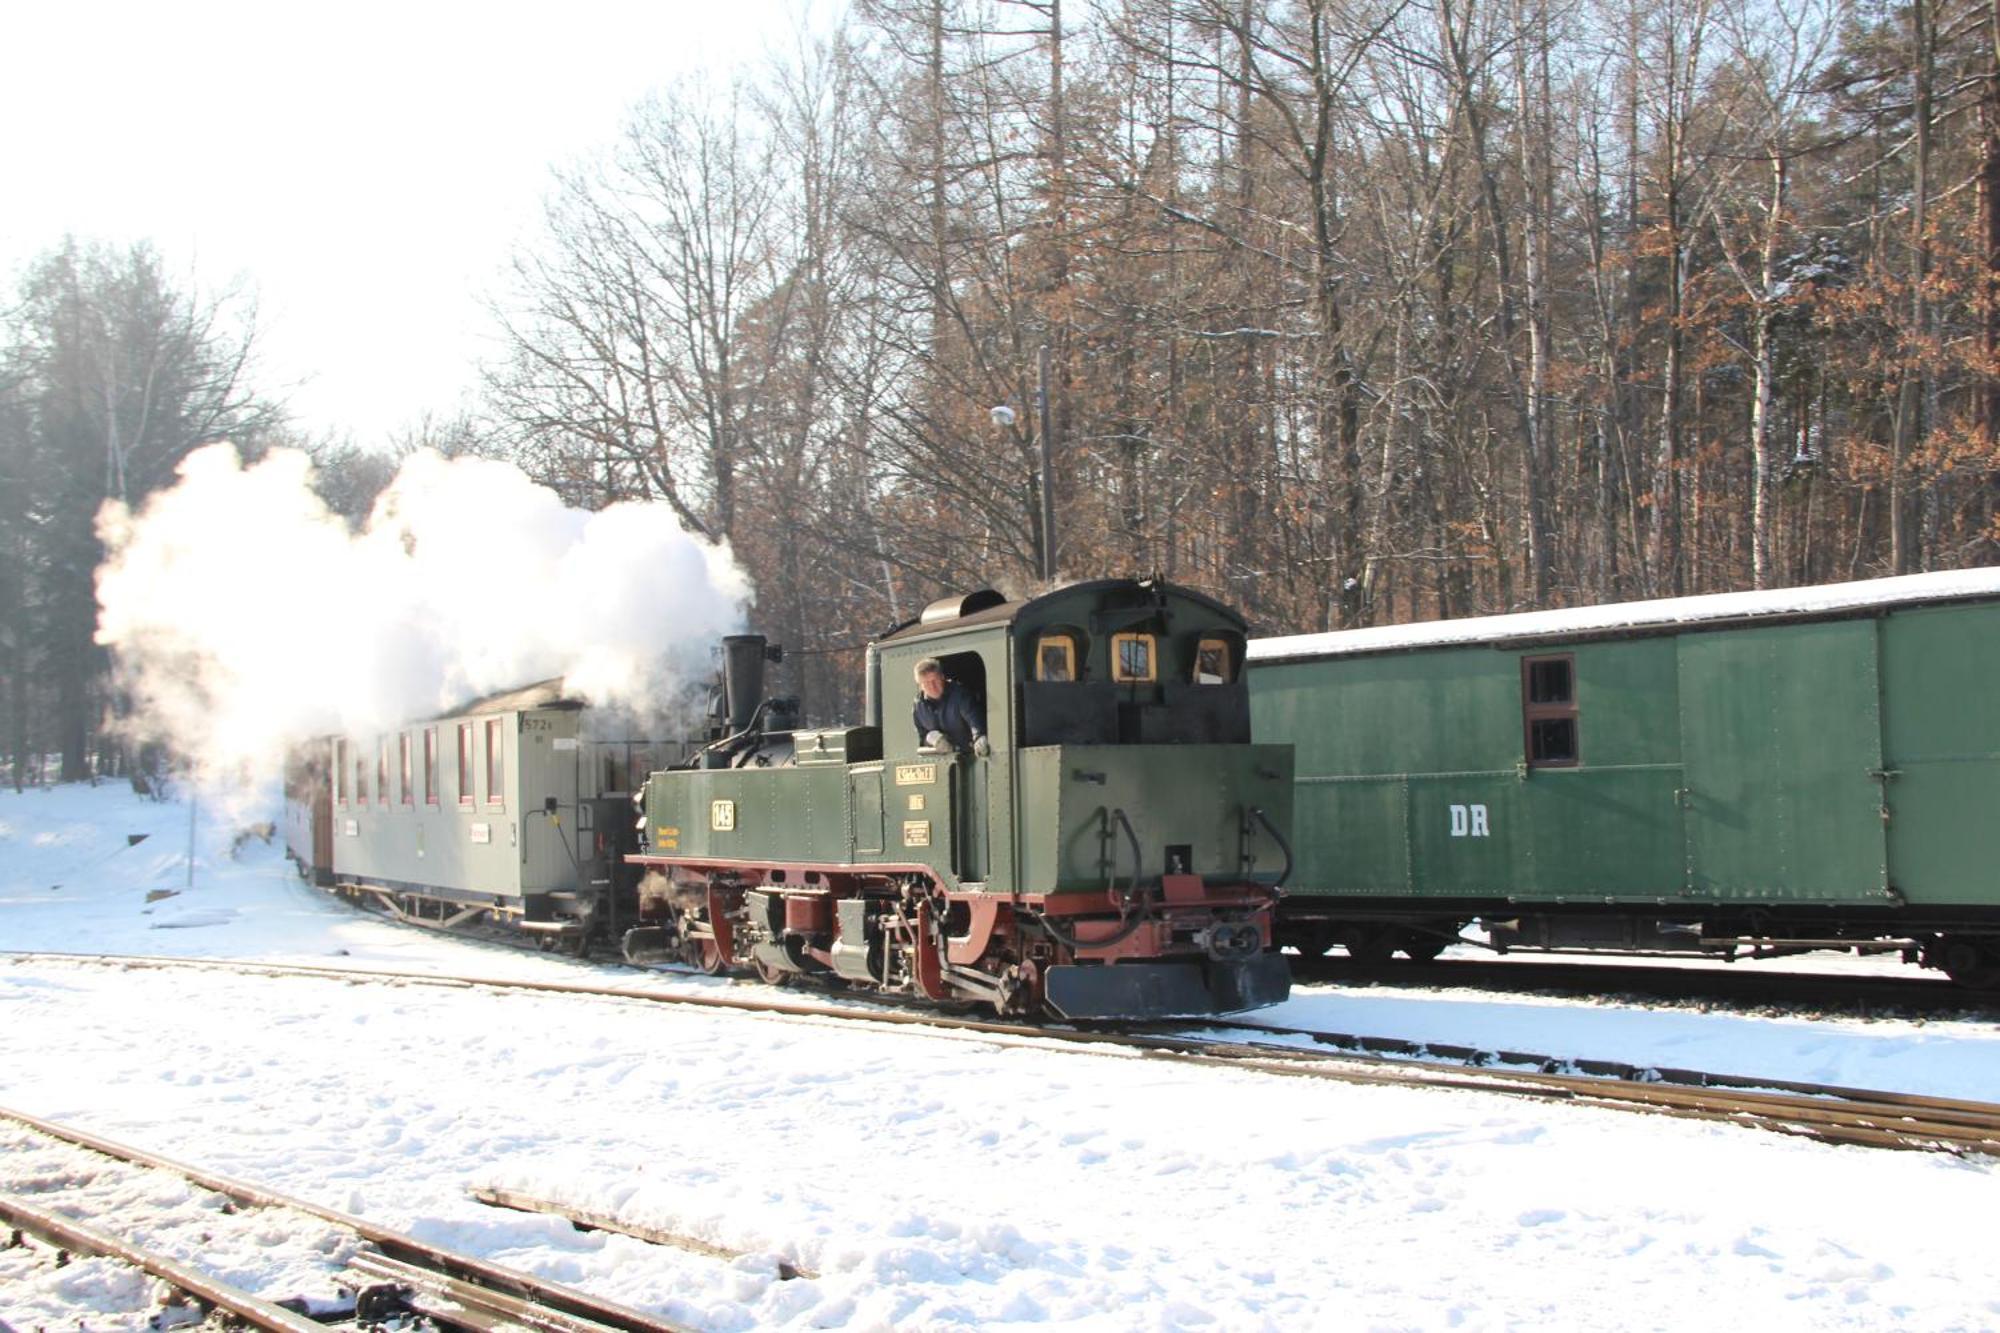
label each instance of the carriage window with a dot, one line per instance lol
(1549, 711)
(465, 763)
(430, 766)
(1055, 657)
(1211, 663)
(407, 791)
(382, 772)
(340, 771)
(1132, 657)
(496, 787)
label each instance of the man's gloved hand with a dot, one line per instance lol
(981, 746)
(935, 741)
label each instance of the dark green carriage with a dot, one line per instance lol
(1770, 772)
(1116, 853)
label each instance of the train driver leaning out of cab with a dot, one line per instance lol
(946, 715)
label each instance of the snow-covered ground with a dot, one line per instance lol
(931, 1181)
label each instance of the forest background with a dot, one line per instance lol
(1357, 311)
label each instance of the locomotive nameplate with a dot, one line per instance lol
(916, 800)
(722, 816)
(915, 775)
(916, 833)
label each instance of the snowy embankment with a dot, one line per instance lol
(927, 1180)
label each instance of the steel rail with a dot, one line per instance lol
(1665, 978)
(70, 1234)
(1831, 1114)
(1601, 1069)
(455, 1303)
(552, 1297)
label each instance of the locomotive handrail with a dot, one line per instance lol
(1118, 818)
(1137, 909)
(1279, 838)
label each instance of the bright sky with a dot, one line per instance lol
(366, 165)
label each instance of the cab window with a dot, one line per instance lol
(1055, 658)
(1133, 657)
(1211, 662)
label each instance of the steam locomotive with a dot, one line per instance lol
(1117, 853)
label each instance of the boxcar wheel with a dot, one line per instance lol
(1971, 963)
(1371, 947)
(1422, 948)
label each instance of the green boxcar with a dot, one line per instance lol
(1115, 852)
(1760, 771)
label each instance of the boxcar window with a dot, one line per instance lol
(1549, 680)
(1132, 657)
(407, 792)
(430, 765)
(1211, 663)
(496, 788)
(1549, 711)
(465, 763)
(1055, 657)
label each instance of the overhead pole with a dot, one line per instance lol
(1048, 465)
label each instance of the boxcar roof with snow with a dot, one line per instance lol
(1659, 616)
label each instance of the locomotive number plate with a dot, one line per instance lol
(916, 801)
(916, 833)
(915, 775)
(722, 816)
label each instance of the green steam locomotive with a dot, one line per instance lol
(1110, 845)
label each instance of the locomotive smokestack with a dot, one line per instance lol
(742, 677)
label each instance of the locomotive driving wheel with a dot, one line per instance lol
(704, 955)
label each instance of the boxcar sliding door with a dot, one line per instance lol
(1781, 739)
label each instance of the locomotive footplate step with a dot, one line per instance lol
(1167, 990)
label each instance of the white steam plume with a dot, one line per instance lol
(245, 616)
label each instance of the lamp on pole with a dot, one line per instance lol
(1003, 417)
(1048, 466)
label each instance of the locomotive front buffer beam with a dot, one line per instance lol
(1167, 989)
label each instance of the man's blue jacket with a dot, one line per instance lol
(955, 713)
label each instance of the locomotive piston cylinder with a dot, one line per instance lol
(808, 914)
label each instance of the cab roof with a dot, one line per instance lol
(949, 615)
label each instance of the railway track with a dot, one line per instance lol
(1826, 1113)
(382, 1277)
(1749, 985)
(1672, 979)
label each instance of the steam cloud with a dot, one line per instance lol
(245, 616)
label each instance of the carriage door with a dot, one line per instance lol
(1781, 745)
